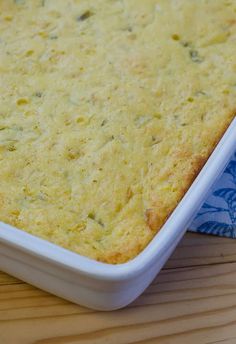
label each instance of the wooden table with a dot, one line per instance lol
(193, 300)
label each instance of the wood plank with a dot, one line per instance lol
(197, 249)
(7, 279)
(194, 304)
(192, 300)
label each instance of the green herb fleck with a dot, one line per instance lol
(91, 216)
(155, 140)
(100, 223)
(203, 116)
(185, 44)
(103, 122)
(200, 93)
(53, 37)
(38, 94)
(195, 56)
(84, 16)
(11, 148)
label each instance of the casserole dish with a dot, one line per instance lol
(106, 286)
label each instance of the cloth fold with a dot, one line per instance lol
(218, 214)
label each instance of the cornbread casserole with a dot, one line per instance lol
(109, 108)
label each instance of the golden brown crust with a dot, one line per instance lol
(152, 219)
(151, 215)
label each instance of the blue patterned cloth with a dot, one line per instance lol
(218, 214)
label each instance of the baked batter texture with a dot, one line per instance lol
(108, 110)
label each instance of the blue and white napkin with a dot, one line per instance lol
(218, 214)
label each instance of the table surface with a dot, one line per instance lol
(193, 300)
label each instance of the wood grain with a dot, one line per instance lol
(196, 249)
(193, 300)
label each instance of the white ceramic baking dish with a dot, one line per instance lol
(105, 286)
